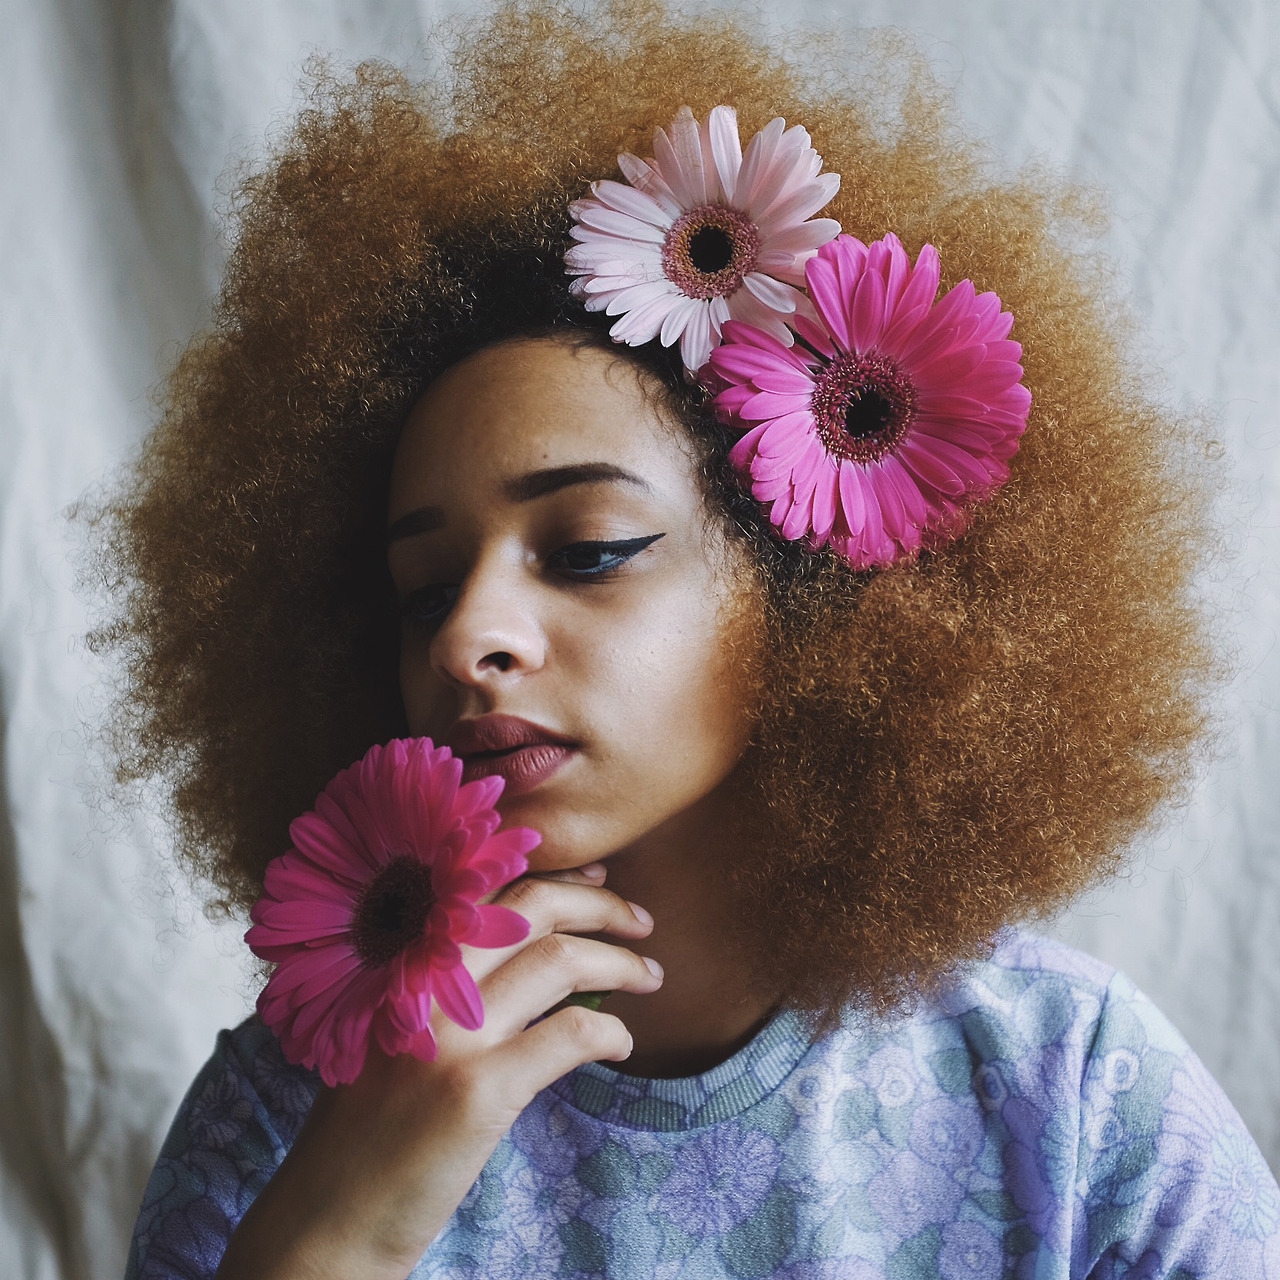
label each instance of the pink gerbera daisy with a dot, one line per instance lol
(893, 416)
(365, 914)
(704, 233)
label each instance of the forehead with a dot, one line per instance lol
(527, 406)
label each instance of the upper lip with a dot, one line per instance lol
(499, 733)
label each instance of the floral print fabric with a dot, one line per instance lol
(1041, 1120)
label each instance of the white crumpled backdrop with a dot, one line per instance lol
(119, 117)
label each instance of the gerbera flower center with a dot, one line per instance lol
(392, 911)
(862, 406)
(709, 249)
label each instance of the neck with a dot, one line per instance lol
(706, 1008)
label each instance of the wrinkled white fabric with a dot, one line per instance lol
(119, 120)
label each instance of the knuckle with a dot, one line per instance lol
(558, 950)
(581, 1025)
(531, 896)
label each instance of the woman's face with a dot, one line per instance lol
(570, 610)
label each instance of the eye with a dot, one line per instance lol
(596, 559)
(427, 606)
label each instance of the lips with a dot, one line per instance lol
(520, 752)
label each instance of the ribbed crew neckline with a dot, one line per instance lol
(690, 1102)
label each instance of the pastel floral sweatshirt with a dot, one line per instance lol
(1041, 1120)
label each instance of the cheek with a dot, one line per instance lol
(427, 705)
(685, 712)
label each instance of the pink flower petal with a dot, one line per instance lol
(867, 318)
(825, 501)
(823, 278)
(909, 495)
(930, 466)
(498, 927)
(853, 499)
(743, 451)
(772, 404)
(313, 917)
(326, 1001)
(458, 997)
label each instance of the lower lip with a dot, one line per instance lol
(522, 770)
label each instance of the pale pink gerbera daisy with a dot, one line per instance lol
(878, 432)
(705, 233)
(363, 916)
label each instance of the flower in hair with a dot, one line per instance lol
(878, 431)
(704, 233)
(364, 915)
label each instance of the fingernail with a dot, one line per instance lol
(653, 966)
(593, 869)
(640, 913)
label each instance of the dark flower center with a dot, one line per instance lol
(862, 406)
(392, 910)
(708, 250)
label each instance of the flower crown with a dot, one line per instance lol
(874, 418)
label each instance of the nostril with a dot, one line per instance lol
(500, 659)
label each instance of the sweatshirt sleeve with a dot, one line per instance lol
(1174, 1186)
(231, 1132)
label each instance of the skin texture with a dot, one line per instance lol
(626, 663)
(638, 666)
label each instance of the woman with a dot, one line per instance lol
(795, 763)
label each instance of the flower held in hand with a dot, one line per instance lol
(883, 426)
(364, 915)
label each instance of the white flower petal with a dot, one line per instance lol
(606, 261)
(799, 205)
(744, 306)
(756, 160)
(773, 293)
(678, 319)
(643, 324)
(625, 199)
(650, 181)
(803, 237)
(719, 311)
(726, 148)
(638, 273)
(602, 218)
(788, 267)
(686, 139)
(640, 295)
(695, 343)
(785, 171)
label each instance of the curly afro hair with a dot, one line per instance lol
(944, 747)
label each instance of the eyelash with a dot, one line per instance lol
(427, 606)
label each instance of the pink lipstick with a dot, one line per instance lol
(520, 752)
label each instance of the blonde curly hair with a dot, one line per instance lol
(945, 746)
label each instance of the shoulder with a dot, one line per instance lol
(232, 1129)
(1097, 1098)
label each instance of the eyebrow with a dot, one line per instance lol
(525, 488)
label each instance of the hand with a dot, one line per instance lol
(381, 1164)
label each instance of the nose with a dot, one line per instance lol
(492, 632)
